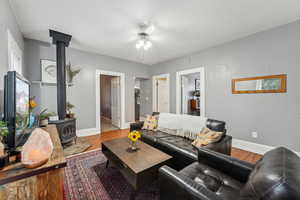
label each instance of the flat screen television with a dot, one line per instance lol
(16, 108)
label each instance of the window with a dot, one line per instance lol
(14, 54)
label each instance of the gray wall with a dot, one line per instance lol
(276, 117)
(82, 94)
(7, 21)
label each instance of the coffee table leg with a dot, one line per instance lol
(107, 163)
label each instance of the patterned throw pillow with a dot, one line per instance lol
(207, 136)
(150, 123)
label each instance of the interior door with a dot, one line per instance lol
(184, 95)
(116, 102)
(162, 97)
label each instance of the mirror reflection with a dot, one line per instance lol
(263, 84)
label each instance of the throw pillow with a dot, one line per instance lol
(207, 136)
(150, 123)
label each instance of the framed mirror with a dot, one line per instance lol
(260, 84)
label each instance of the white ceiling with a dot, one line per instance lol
(182, 26)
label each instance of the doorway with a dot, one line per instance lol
(110, 100)
(190, 92)
(142, 101)
(161, 93)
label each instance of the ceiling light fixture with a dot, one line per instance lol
(144, 42)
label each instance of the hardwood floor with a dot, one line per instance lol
(96, 140)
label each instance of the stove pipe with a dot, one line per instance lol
(62, 41)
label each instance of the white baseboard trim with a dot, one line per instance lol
(87, 132)
(126, 125)
(253, 147)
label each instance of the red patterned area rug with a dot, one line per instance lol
(86, 178)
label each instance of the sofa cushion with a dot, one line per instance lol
(276, 176)
(222, 185)
(153, 135)
(180, 142)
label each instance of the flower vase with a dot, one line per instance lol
(133, 146)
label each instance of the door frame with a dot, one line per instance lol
(200, 70)
(154, 88)
(98, 99)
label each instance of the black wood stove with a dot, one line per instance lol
(65, 127)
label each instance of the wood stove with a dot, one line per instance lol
(66, 127)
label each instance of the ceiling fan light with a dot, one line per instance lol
(147, 45)
(139, 44)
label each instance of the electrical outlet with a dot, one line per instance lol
(254, 134)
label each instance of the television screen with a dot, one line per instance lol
(22, 106)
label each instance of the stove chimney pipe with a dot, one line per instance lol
(62, 41)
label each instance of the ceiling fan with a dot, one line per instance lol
(146, 29)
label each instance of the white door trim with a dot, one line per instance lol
(98, 103)
(154, 86)
(201, 70)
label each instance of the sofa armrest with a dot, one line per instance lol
(236, 168)
(176, 186)
(136, 126)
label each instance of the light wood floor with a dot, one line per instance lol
(96, 140)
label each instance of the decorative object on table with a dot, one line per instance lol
(260, 84)
(48, 70)
(71, 73)
(151, 123)
(43, 117)
(4, 158)
(69, 110)
(32, 105)
(134, 136)
(37, 150)
(197, 84)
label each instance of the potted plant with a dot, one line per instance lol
(43, 117)
(3, 155)
(69, 110)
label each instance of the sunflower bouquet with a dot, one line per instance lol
(134, 136)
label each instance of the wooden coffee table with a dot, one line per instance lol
(139, 168)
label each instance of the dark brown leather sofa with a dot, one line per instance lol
(181, 149)
(219, 177)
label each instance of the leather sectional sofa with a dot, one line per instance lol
(181, 149)
(216, 176)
